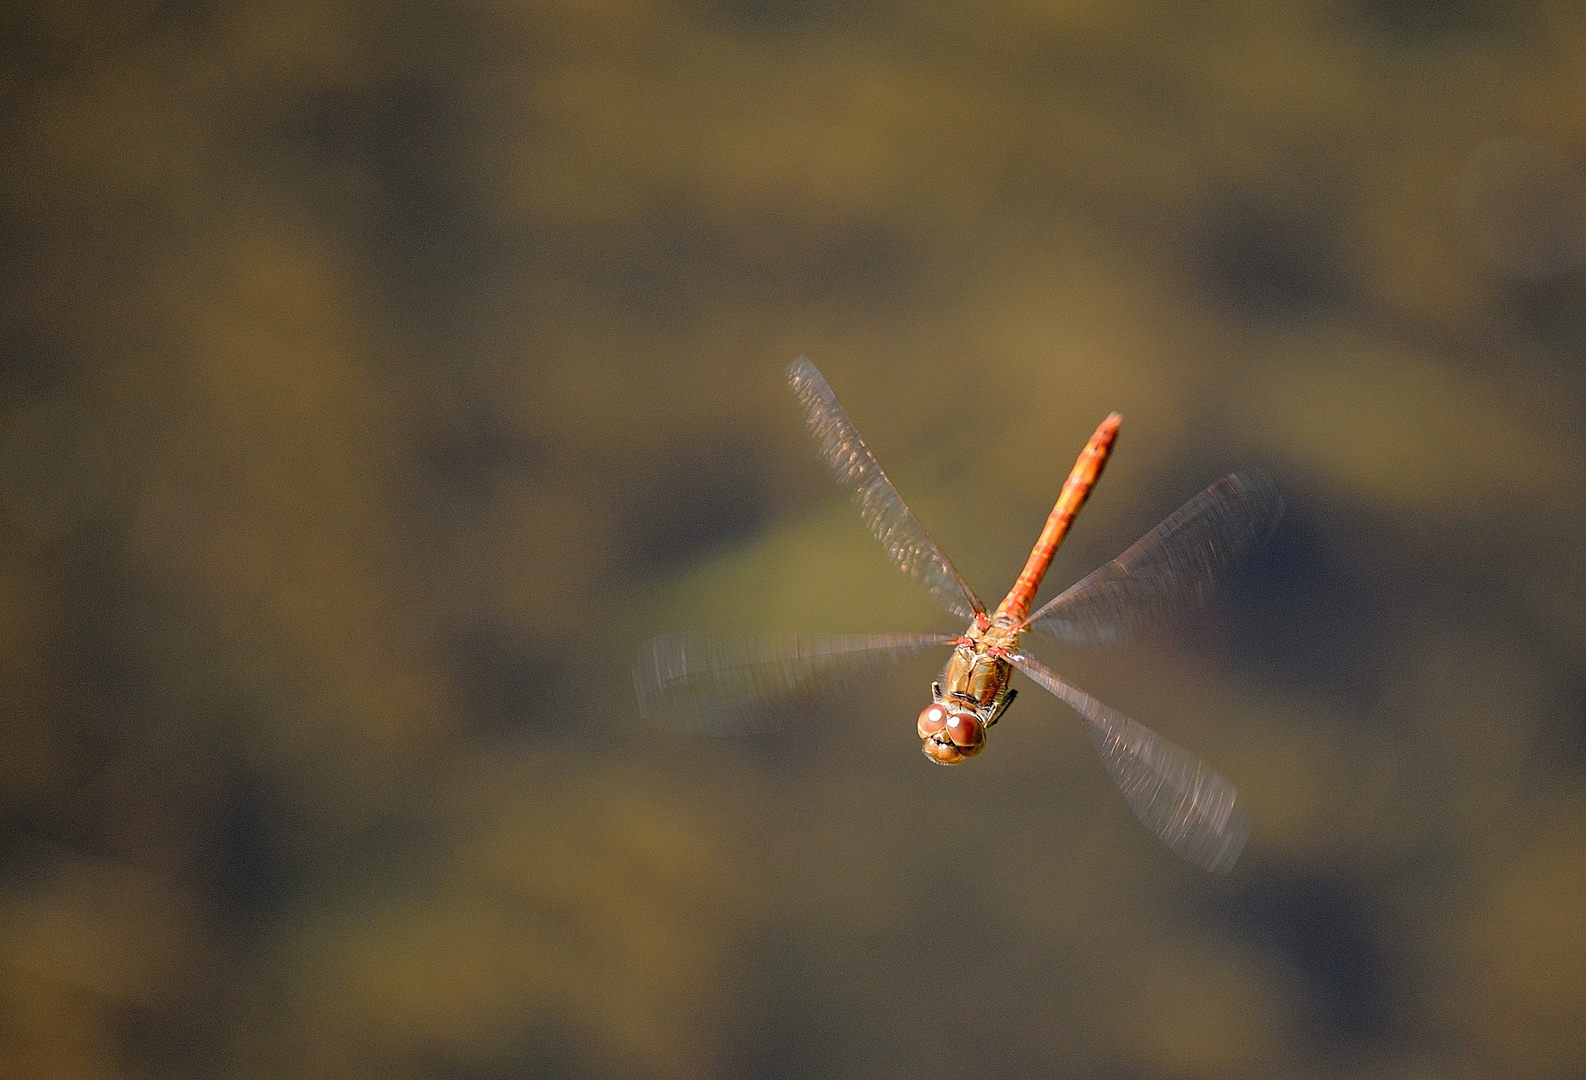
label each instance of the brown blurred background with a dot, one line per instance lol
(375, 377)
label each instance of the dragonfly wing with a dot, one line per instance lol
(1170, 569)
(712, 683)
(890, 521)
(1178, 796)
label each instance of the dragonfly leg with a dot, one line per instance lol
(1001, 705)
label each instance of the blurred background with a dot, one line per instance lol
(375, 377)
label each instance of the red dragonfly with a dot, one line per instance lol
(712, 683)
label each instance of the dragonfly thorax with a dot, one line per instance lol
(977, 674)
(972, 695)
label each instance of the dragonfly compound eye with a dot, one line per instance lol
(932, 720)
(966, 732)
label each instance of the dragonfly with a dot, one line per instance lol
(716, 683)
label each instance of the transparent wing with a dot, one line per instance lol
(1171, 568)
(712, 683)
(1178, 796)
(890, 521)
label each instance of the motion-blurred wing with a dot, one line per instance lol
(710, 683)
(890, 521)
(1176, 794)
(1172, 568)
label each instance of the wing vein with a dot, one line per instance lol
(721, 684)
(885, 514)
(1176, 795)
(1170, 569)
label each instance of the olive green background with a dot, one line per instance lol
(377, 376)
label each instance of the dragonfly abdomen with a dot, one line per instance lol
(1086, 471)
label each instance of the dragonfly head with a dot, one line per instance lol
(949, 732)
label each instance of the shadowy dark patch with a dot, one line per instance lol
(506, 678)
(1553, 311)
(181, 15)
(1116, 1071)
(866, 260)
(778, 16)
(27, 56)
(395, 164)
(779, 741)
(1413, 22)
(695, 503)
(788, 1021)
(1293, 612)
(102, 652)
(546, 1052)
(172, 1036)
(247, 868)
(463, 468)
(1266, 261)
(396, 854)
(473, 461)
(400, 164)
(1296, 614)
(28, 848)
(1325, 927)
(667, 268)
(404, 135)
(37, 44)
(679, 261)
(30, 364)
(1563, 730)
(264, 855)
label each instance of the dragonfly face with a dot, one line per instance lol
(951, 732)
